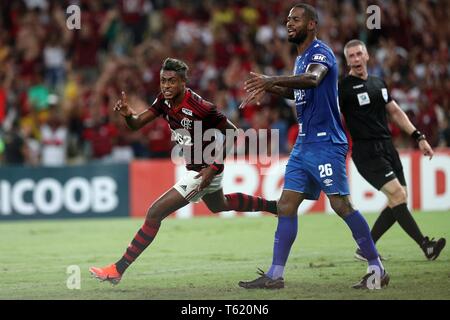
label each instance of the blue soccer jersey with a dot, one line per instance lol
(317, 108)
(317, 161)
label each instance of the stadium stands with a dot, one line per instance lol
(57, 86)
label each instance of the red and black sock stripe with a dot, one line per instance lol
(244, 202)
(140, 242)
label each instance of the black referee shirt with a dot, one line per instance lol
(363, 104)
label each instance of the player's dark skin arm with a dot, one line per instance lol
(134, 121)
(310, 79)
(208, 173)
(284, 85)
(287, 93)
(137, 121)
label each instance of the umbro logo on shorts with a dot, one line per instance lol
(328, 182)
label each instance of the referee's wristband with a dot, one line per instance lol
(418, 136)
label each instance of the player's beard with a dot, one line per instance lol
(299, 38)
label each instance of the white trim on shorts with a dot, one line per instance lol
(295, 191)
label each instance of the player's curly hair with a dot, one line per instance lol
(310, 11)
(180, 67)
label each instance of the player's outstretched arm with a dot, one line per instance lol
(400, 118)
(256, 95)
(312, 77)
(263, 84)
(133, 120)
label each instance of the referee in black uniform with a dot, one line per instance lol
(365, 102)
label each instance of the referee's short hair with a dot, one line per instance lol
(354, 43)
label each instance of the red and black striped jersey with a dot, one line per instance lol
(183, 119)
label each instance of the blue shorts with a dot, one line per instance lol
(315, 167)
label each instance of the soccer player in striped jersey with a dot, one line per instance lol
(186, 112)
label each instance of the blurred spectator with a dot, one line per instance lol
(54, 139)
(157, 139)
(38, 94)
(54, 62)
(427, 121)
(277, 123)
(134, 17)
(444, 139)
(32, 146)
(15, 148)
(2, 105)
(99, 135)
(86, 45)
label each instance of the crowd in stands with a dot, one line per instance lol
(58, 86)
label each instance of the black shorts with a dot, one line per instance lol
(378, 162)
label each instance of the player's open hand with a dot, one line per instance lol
(252, 97)
(258, 82)
(426, 149)
(207, 175)
(122, 106)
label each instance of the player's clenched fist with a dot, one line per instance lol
(122, 106)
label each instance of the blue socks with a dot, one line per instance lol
(361, 234)
(287, 232)
(284, 238)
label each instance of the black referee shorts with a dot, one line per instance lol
(378, 162)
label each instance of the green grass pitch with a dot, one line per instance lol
(204, 258)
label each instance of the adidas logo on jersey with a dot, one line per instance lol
(184, 187)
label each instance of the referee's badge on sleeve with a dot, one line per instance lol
(384, 92)
(363, 98)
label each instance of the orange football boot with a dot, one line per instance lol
(108, 273)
